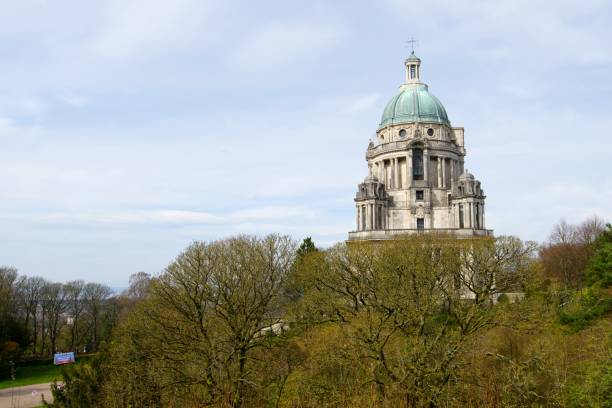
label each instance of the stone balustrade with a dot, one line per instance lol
(397, 233)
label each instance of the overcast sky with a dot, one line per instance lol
(128, 129)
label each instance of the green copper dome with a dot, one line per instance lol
(414, 103)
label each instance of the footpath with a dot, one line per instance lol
(28, 396)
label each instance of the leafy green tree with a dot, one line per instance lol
(599, 269)
(408, 308)
(192, 340)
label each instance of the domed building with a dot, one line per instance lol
(416, 178)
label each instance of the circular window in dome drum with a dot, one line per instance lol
(402, 133)
(430, 132)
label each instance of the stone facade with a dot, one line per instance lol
(416, 178)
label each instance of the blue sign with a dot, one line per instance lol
(63, 358)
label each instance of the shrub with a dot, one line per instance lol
(9, 354)
(80, 386)
(586, 306)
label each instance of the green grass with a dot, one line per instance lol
(33, 375)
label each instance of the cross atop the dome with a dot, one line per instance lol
(410, 43)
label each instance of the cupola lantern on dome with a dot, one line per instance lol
(413, 69)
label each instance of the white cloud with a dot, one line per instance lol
(32, 106)
(524, 31)
(74, 99)
(288, 43)
(165, 216)
(7, 127)
(84, 219)
(136, 27)
(362, 103)
(521, 214)
(271, 213)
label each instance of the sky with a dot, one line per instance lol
(129, 129)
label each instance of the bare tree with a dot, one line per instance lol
(140, 283)
(94, 297)
(566, 254)
(54, 305)
(74, 306)
(8, 278)
(588, 231)
(29, 291)
(563, 233)
(493, 266)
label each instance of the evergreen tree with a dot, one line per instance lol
(306, 247)
(599, 269)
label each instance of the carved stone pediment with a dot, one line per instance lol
(419, 210)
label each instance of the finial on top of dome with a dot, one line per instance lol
(411, 43)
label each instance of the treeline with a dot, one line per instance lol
(39, 317)
(426, 320)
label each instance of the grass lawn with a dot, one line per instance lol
(33, 375)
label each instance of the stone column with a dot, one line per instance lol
(444, 173)
(425, 165)
(372, 214)
(394, 172)
(358, 211)
(374, 217)
(397, 174)
(409, 168)
(439, 172)
(471, 213)
(384, 173)
(482, 224)
(456, 211)
(383, 217)
(362, 218)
